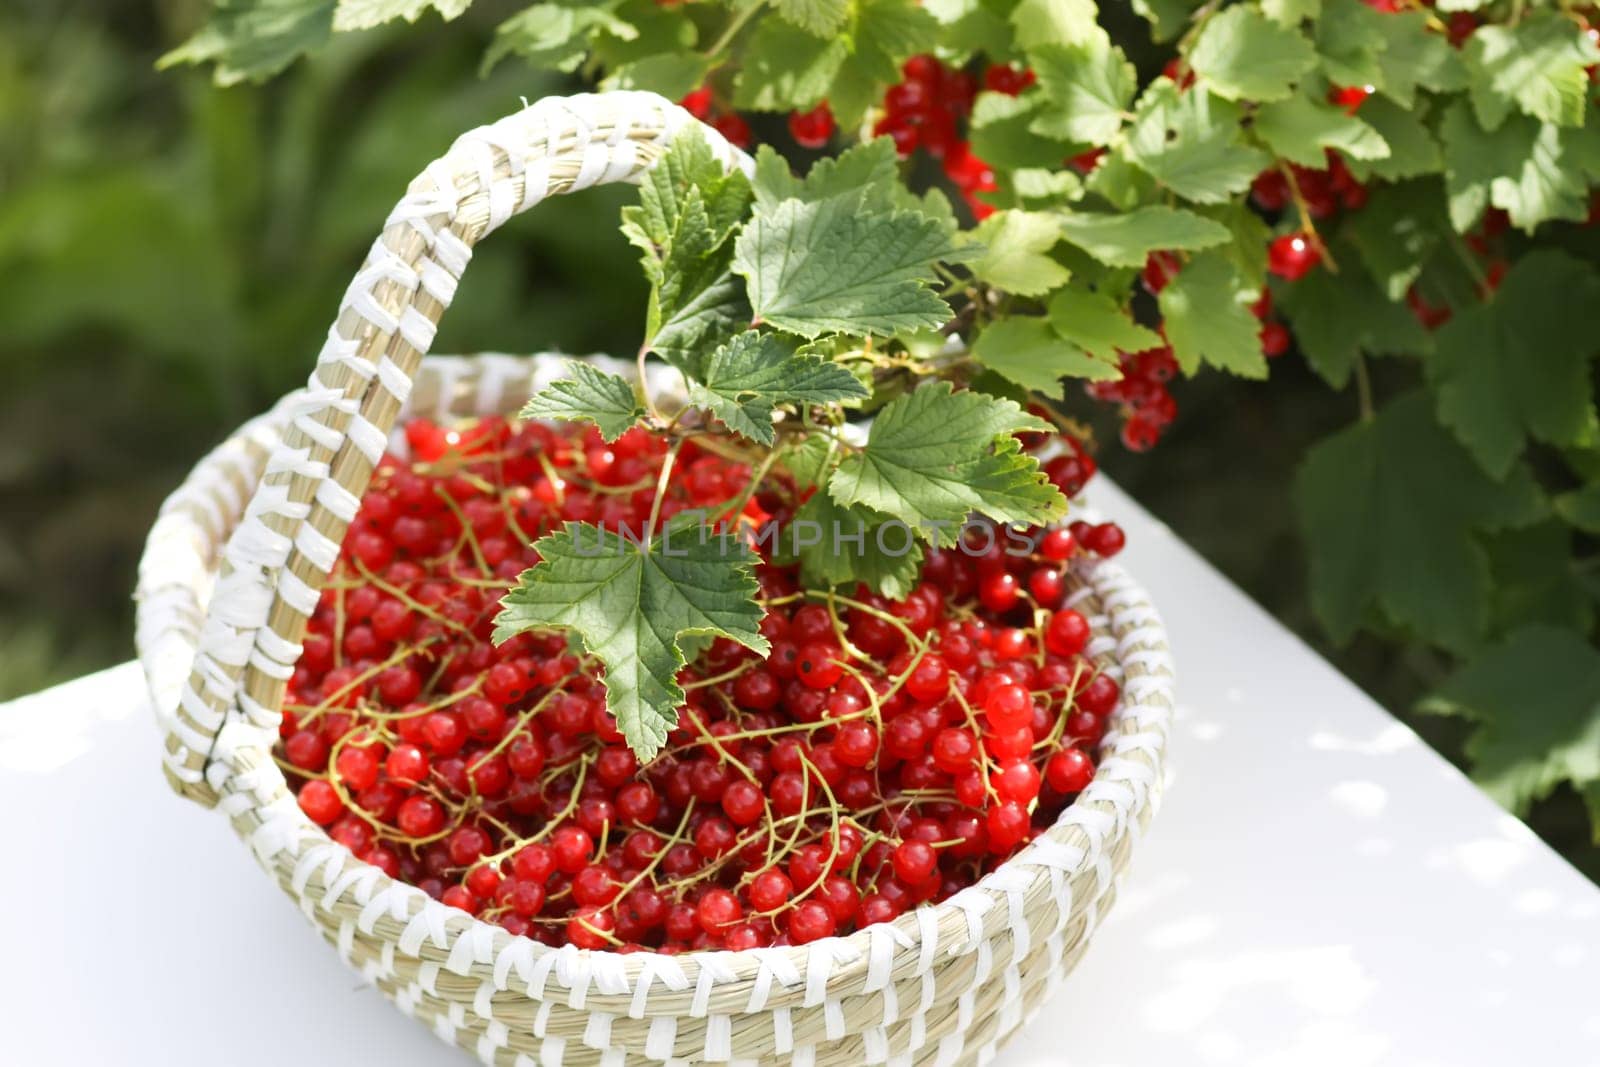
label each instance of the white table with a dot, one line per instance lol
(1320, 888)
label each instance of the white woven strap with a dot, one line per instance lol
(279, 556)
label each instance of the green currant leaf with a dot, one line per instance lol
(1581, 508)
(870, 170)
(809, 461)
(654, 33)
(1534, 171)
(968, 27)
(1412, 149)
(936, 456)
(251, 40)
(1350, 41)
(1040, 187)
(365, 14)
(883, 34)
(556, 35)
(1016, 252)
(1535, 698)
(1167, 18)
(683, 224)
(588, 395)
(689, 165)
(1535, 579)
(1299, 129)
(1401, 231)
(745, 380)
(703, 321)
(1413, 56)
(671, 74)
(1243, 55)
(1537, 66)
(821, 18)
(1090, 89)
(840, 266)
(1126, 240)
(1121, 184)
(787, 68)
(1390, 509)
(1338, 317)
(1004, 135)
(1190, 143)
(1095, 322)
(842, 546)
(1058, 22)
(1291, 12)
(634, 608)
(1029, 351)
(1517, 367)
(1248, 237)
(1207, 316)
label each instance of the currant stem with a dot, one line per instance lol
(1307, 226)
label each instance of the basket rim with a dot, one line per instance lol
(1118, 801)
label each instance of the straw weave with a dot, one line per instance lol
(232, 571)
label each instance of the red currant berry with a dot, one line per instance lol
(1275, 339)
(1067, 633)
(307, 750)
(698, 103)
(358, 767)
(914, 862)
(593, 886)
(1350, 97)
(770, 890)
(407, 764)
(1057, 544)
(420, 817)
(812, 129)
(533, 863)
(460, 897)
(810, 921)
(1007, 825)
(1047, 585)
(1008, 707)
(1006, 79)
(717, 910)
(819, 666)
(571, 847)
(954, 750)
(929, 680)
(856, 744)
(1069, 771)
(1105, 539)
(1292, 256)
(591, 928)
(320, 801)
(1017, 781)
(743, 802)
(526, 898)
(1099, 696)
(1000, 592)
(734, 128)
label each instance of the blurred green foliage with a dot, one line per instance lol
(173, 254)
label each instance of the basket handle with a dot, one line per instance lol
(277, 561)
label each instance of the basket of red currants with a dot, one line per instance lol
(880, 828)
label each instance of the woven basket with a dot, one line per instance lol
(232, 572)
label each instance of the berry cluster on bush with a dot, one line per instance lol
(884, 755)
(928, 110)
